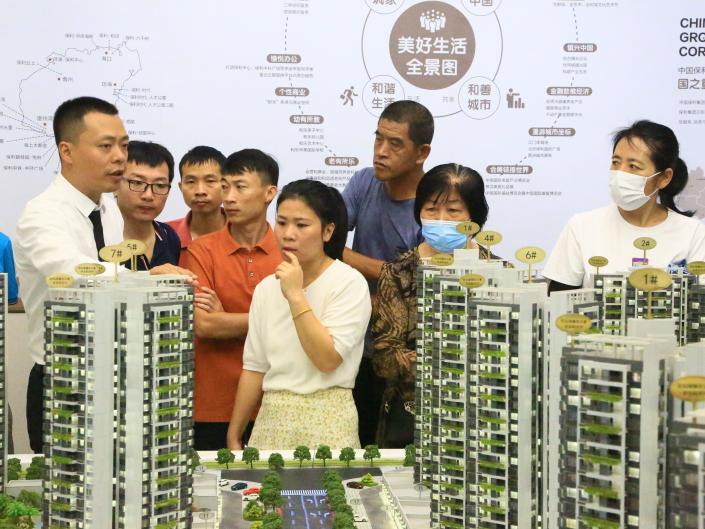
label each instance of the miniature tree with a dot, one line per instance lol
(29, 498)
(372, 453)
(275, 461)
(323, 452)
(330, 478)
(302, 452)
(336, 499)
(22, 514)
(256, 525)
(35, 469)
(14, 467)
(195, 459)
(343, 521)
(269, 496)
(272, 478)
(409, 455)
(368, 481)
(5, 500)
(250, 455)
(272, 521)
(224, 457)
(253, 512)
(347, 454)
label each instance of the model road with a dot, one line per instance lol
(306, 511)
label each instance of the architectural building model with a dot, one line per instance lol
(613, 429)
(119, 391)
(620, 301)
(479, 386)
(685, 503)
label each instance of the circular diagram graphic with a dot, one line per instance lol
(479, 97)
(432, 45)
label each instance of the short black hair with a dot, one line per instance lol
(68, 118)
(664, 152)
(252, 160)
(328, 205)
(201, 155)
(438, 183)
(415, 115)
(150, 154)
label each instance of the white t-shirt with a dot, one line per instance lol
(604, 232)
(340, 299)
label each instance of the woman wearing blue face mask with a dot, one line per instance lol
(645, 177)
(446, 195)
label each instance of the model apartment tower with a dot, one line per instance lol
(581, 302)
(619, 302)
(118, 392)
(685, 505)
(480, 382)
(613, 427)
(428, 298)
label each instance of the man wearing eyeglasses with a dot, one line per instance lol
(141, 197)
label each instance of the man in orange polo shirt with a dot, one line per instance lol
(200, 171)
(229, 263)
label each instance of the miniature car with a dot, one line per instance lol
(223, 482)
(239, 486)
(355, 485)
(359, 518)
(251, 497)
(251, 490)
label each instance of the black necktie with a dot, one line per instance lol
(97, 230)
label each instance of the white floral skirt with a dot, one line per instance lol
(287, 420)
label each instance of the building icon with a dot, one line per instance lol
(119, 458)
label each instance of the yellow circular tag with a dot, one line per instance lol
(530, 254)
(690, 388)
(442, 259)
(472, 280)
(644, 243)
(115, 253)
(137, 247)
(489, 238)
(59, 280)
(468, 228)
(697, 268)
(89, 269)
(650, 279)
(598, 261)
(573, 323)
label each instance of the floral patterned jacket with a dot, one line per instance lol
(394, 329)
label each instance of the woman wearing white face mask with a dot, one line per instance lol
(645, 177)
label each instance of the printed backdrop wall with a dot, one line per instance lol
(526, 92)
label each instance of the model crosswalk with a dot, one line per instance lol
(308, 492)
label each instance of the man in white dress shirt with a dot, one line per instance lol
(70, 221)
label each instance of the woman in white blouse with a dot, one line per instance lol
(307, 326)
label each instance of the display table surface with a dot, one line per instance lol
(218, 507)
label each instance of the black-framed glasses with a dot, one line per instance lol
(138, 186)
